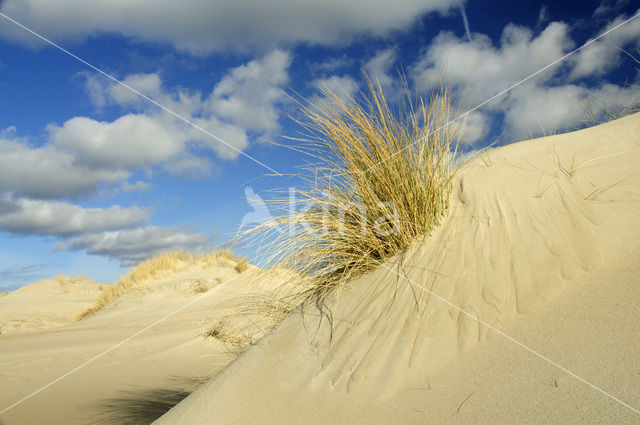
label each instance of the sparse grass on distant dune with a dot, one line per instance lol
(70, 280)
(382, 177)
(242, 265)
(160, 266)
(235, 340)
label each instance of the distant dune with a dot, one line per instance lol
(541, 242)
(46, 304)
(43, 339)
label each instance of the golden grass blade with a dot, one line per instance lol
(381, 178)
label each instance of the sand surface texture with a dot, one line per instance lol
(541, 243)
(42, 341)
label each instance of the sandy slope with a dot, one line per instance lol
(136, 376)
(66, 297)
(541, 242)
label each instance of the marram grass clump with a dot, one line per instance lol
(381, 176)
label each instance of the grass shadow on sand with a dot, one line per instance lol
(138, 407)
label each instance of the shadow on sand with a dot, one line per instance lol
(140, 407)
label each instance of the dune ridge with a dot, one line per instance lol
(528, 223)
(65, 296)
(539, 242)
(164, 265)
(143, 376)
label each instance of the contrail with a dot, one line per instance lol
(465, 21)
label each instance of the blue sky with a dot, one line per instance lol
(94, 178)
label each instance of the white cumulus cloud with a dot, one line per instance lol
(131, 141)
(380, 67)
(138, 186)
(46, 172)
(603, 55)
(248, 95)
(553, 100)
(246, 100)
(344, 87)
(203, 26)
(484, 69)
(475, 127)
(134, 245)
(61, 219)
(533, 110)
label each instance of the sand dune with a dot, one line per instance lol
(139, 377)
(65, 296)
(541, 243)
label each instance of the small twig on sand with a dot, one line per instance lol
(463, 401)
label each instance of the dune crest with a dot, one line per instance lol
(134, 379)
(66, 297)
(526, 222)
(504, 249)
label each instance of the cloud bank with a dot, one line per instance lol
(205, 26)
(83, 155)
(134, 245)
(555, 99)
(55, 218)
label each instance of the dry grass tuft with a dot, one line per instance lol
(64, 280)
(242, 265)
(381, 178)
(163, 265)
(235, 341)
(200, 286)
(253, 315)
